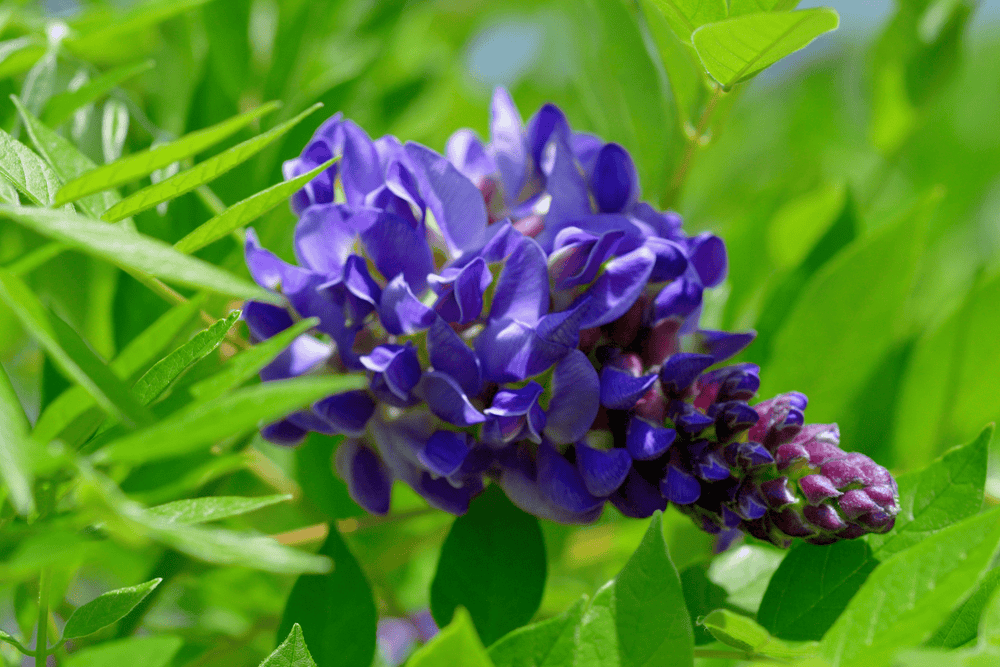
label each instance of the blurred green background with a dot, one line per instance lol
(856, 183)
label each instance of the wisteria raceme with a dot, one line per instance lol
(526, 320)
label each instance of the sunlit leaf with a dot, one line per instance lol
(26, 171)
(548, 643)
(945, 492)
(60, 107)
(134, 167)
(292, 652)
(456, 646)
(212, 508)
(154, 651)
(744, 634)
(962, 625)
(238, 411)
(336, 610)
(248, 210)
(106, 609)
(686, 16)
(736, 49)
(15, 467)
(71, 353)
(201, 173)
(129, 249)
(909, 595)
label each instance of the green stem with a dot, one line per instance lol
(16, 644)
(42, 634)
(677, 182)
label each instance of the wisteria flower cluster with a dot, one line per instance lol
(526, 320)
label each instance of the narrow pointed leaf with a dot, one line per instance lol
(138, 165)
(962, 625)
(548, 643)
(238, 411)
(493, 564)
(246, 211)
(165, 371)
(242, 366)
(106, 609)
(26, 171)
(212, 508)
(130, 250)
(145, 347)
(909, 595)
(292, 652)
(744, 634)
(153, 651)
(336, 610)
(201, 173)
(738, 48)
(70, 352)
(60, 107)
(456, 646)
(948, 490)
(66, 161)
(15, 468)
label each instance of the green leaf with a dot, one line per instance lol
(549, 643)
(114, 129)
(60, 107)
(292, 652)
(106, 609)
(493, 564)
(744, 573)
(908, 596)
(946, 491)
(165, 371)
(336, 610)
(249, 209)
(201, 173)
(26, 171)
(320, 486)
(837, 318)
(701, 595)
(212, 508)
(137, 165)
(812, 586)
(962, 625)
(246, 364)
(737, 49)
(75, 401)
(15, 467)
(457, 645)
(640, 617)
(743, 633)
(800, 223)
(66, 161)
(130, 250)
(238, 411)
(686, 16)
(70, 352)
(741, 7)
(155, 651)
(91, 45)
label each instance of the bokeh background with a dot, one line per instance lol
(856, 183)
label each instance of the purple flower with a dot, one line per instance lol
(525, 319)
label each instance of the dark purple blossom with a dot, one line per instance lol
(526, 320)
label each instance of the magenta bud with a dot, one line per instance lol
(817, 488)
(824, 517)
(776, 492)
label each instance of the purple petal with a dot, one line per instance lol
(511, 351)
(615, 290)
(574, 399)
(824, 517)
(680, 371)
(776, 492)
(680, 487)
(687, 419)
(580, 255)
(614, 182)
(461, 294)
(444, 452)
(508, 143)
(856, 502)
(646, 441)
(265, 319)
(398, 364)
(454, 200)
(369, 481)
(749, 505)
(446, 399)
(304, 354)
(817, 488)
(637, 498)
(348, 412)
(519, 480)
(562, 484)
(449, 354)
(269, 271)
(712, 468)
(360, 171)
(395, 247)
(515, 402)
(401, 312)
(621, 390)
(671, 262)
(323, 239)
(722, 344)
(547, 124)
(790, 453)
(467, 153)
(679, 298)
(283, 432)
(442, 494)
(522, 290)
(603, 471)
(564, 182)
(708, 256)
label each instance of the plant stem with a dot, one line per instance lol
(693, 141)
(42, 633)
(734, 655)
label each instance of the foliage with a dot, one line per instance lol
(858, 198)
